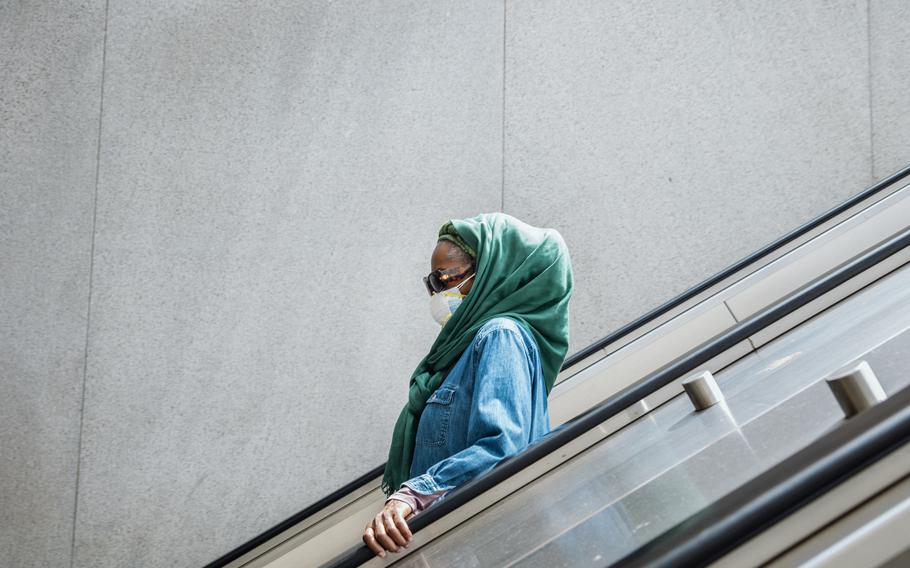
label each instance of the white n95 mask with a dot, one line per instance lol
(443, 304)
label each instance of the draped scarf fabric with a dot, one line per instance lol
(524, 273)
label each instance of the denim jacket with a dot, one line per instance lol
(492, 404)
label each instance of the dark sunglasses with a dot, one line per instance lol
(435, 283)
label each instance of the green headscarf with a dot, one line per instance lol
(448, 233)
(524, 273)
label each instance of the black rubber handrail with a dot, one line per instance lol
(720, 527)
(584, 353)
(637, 391)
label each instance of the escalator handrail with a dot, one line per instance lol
(851, 446)
(639, 390)
(583, 353)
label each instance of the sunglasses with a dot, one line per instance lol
(435, 282)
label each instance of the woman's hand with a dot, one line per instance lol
(388, 529)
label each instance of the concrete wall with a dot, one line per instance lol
(50, 87)
(889, 73)
(216, 216)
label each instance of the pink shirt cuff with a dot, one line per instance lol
(417, 501)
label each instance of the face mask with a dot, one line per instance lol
(443, 304)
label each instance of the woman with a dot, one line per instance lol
(500, 289)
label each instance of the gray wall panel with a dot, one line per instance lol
(50, 64)
(890, 41)
(667, 140)
(272, 178)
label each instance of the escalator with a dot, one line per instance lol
(632, 487)
(627, 480)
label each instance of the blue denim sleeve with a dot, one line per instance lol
(500, 418)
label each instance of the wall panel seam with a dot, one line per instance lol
(91, 272)
(872, 170)
(502, 195)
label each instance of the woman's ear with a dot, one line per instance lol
(466, 289)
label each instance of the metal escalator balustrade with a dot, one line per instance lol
(850, 447)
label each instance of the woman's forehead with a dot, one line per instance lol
(444, 256)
